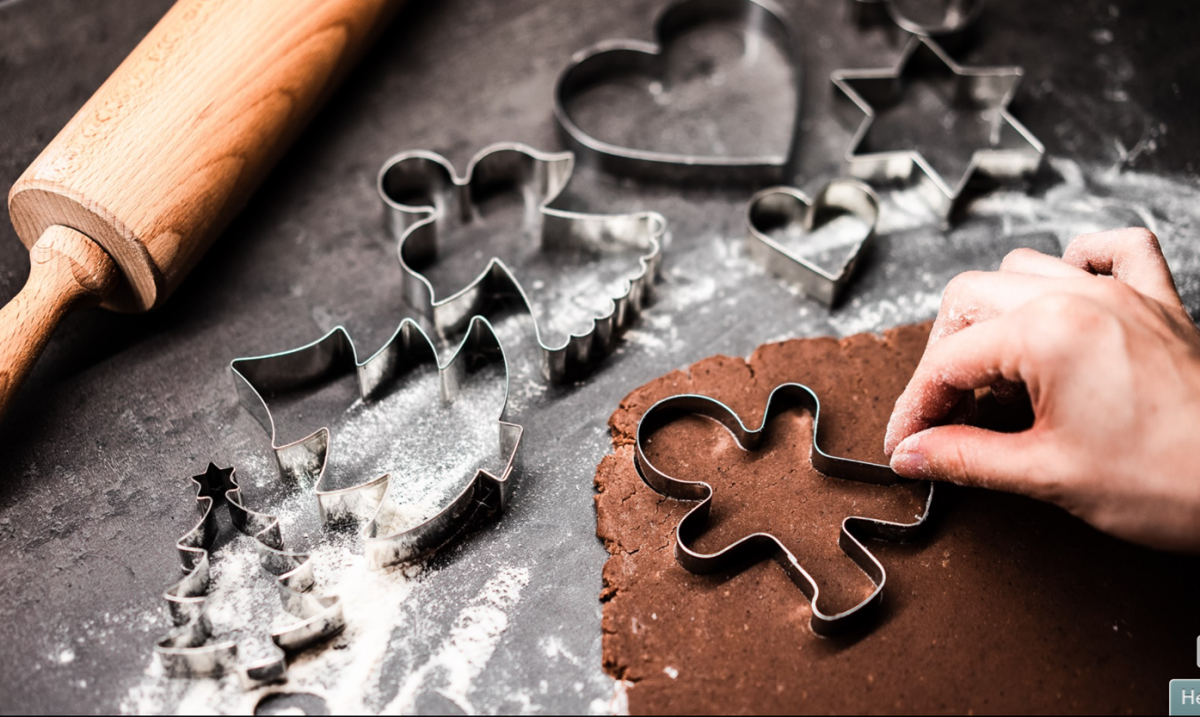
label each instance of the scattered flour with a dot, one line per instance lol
(470, 645)
(618, 704)
(345, 672)
(404, 434)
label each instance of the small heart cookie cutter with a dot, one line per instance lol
(753, 547)
(777, 207)
(592, 66)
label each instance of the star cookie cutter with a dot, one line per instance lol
(957, 16)
(188, 651)
(304, 461)
(1014, 153)
(762, 19)
(751, 548)
(541, 177)
(782, 207)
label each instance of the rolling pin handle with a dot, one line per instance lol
(67, 270)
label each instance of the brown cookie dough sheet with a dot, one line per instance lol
(1010, 605)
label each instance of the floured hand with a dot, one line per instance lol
(1111, 361)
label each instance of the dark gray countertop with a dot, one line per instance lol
(122, 409)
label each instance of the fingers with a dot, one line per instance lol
(1035, 263)
(975, 357)
(974, 457)
(977, 296)
(1131, 256)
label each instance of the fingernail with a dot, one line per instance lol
(908, 460)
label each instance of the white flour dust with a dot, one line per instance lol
(344, 672)
(406, 433)
(566, 302)
(710, 275)
(243, 588)
(618, 704)
(430, 448)
(469, 647)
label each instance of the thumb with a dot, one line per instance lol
(971, 456)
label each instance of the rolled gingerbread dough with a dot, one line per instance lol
(1009, 606)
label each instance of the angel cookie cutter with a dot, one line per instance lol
(188, 651)
(419, 188)
(386, 540)
(751, 548)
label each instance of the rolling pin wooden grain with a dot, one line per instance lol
(127, 198)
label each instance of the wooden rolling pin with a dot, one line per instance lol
(127, 198)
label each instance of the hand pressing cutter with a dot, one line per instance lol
(751, 548)
(188, 652)
(784, 207)
(304, 461)
(419, 189)
(1014, 151)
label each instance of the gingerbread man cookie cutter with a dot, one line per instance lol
(750, 549)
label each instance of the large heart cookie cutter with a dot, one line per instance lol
(781, 207)
(762, 20)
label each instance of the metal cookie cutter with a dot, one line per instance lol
(1014, 153)
(588, 68)
(385, 540)
(958, 15)
(187, 651)
(783, 207)
(419, 187)
(753, 547)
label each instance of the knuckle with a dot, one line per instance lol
(1116, 291)
(1016, 256)
(1144, 237)
(1054, 310)
(1061, 321)
(963, 284)
(1051, 489)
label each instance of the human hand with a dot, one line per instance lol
(1111, 361)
